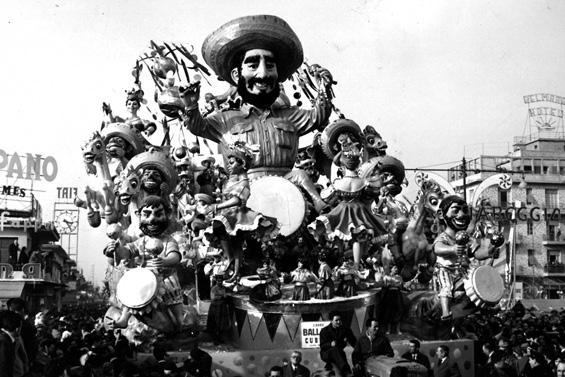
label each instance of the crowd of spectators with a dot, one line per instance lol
(74, 342)
(518, 342)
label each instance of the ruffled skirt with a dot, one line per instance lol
(346, 220)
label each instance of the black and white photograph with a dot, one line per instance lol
(316, 188)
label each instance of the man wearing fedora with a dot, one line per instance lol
(255, 54)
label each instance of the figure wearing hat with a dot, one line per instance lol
(352, 218)
(255, 54)
(133, 104)
(206, 177)
(199, 215)
(122, 143)
(234, 220)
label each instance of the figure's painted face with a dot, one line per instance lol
(116, 147)
(259, 70)
(127, 187)
(433, 201)
(351, 157)
(153, 220)
(151, 180)
(92, 149)
(132, 106)
(413, 348)
(235, 166)
(457, 216)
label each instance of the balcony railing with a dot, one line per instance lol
(557, 268)
(31, 271)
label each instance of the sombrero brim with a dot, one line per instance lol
(331, 133)
(131, 135)
(158, 160)
(383, 163)
(235, 37)
(204, 197)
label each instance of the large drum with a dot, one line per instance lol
(279, 198)
(137, 288)
(484, 286)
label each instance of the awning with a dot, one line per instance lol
(11, 289)
(553, 282)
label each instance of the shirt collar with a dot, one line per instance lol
(248, 108)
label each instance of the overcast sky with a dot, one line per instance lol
(435, 78)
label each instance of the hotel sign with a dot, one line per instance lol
(544, 97)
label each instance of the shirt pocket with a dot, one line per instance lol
(284, 135)
(243, 132)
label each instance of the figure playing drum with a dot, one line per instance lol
(452, 260)
(255, 54)
(158, 251)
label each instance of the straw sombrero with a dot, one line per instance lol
(331, 134)
(250, 32)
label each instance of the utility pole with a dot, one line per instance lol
(464, 175)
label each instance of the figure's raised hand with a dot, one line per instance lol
(190, 95)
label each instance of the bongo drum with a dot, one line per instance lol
(137, 288)
(484, 286)
(279, 198)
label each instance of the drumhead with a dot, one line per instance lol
(137, 287)
(279, 198)
(488, 284)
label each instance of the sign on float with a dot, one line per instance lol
(310, 333)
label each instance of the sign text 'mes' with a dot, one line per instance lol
(544, 97)
(14, 191)
(28, 166)
(67, 192)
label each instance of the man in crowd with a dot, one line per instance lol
(372, 343)
(28, 332)
(275, 371)
(199, 362)
(10, 325)
(444, 367)
(333, 339)
(13, 251)
(295, 369)
(415, 355)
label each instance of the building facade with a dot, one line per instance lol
(537, 168)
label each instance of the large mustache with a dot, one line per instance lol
(261, 80)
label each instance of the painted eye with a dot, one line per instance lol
(98, 146)
(133, 183)
(433, 201)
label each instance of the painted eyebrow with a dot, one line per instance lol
(252, 59)
(257, 58)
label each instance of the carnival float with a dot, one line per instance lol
(268, 232)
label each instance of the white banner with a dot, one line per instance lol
(310, 333)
